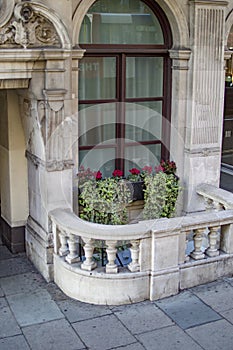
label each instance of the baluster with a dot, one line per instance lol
(111, 250)
(134, 265)
(186, 257)
(213, 236)
(198, 238)
(73, 256)
(88, 263)
(63, 250)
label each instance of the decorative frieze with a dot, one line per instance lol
(28, 28)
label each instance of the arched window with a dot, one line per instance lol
(124, 86)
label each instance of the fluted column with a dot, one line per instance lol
(205, 108)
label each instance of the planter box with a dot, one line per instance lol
(138, 193)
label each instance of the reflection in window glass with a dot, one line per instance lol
(97, 78)
(141, 155)
(143, 121)
(144, 77)
(97, 124)
(120, 22)
(98, 159)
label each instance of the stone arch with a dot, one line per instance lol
(57, 22)
(173, 11)
(229, 23)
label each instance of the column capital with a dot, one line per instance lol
(180, 58)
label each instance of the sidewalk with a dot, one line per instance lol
(37, 315)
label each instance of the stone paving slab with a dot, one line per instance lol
(143, 317)
(168, 338)
(8, 324)
(5, 253)
(103, 333)
(218, 295)
(15, 266)
(135, 346)
(22, 283)
(214, 336)
(35, 307)
(76, 311)
(54, 335)
(14, 343)
(187, 310)
(228, 315)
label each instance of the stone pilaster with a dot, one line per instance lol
(205, 108)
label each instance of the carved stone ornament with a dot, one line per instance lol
(6, 9)
(28, 28)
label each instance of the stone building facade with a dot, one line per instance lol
(40, 67)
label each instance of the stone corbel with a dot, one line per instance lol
(55, 98)
(180, 58)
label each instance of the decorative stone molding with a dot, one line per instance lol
(180, 59)
(6, 9)
(28, 28)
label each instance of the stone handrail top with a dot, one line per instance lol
(72, 224)
(216, 194)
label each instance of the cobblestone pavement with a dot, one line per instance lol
(37, 315)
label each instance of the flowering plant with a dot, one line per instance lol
(168, 167)
(98, 175)
(135, 175)
(117, 173)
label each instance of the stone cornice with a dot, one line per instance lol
(209, 3)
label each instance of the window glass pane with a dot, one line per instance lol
(141, 155)
(97, 124)
(143, 121)
(144, 77)
(98, 159)
(120, 22)
(97, 78)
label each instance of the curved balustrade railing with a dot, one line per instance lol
(166, 254)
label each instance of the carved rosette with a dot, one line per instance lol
(27, 28)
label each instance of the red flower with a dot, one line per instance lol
(134, 171)
(117, 173)
(98, 175)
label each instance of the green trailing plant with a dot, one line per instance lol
(104, 201)
(160, 194)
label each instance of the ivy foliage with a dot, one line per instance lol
(105, 201)
(160, 194)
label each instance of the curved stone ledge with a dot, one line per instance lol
(99, 288)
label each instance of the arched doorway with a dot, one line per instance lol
(124, 86)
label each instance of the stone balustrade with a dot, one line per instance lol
(215, 198)
(167, 255)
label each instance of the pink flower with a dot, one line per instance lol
(147, 169)
(134, 171)
(159, 168)
(117, 173)
(98, 175)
